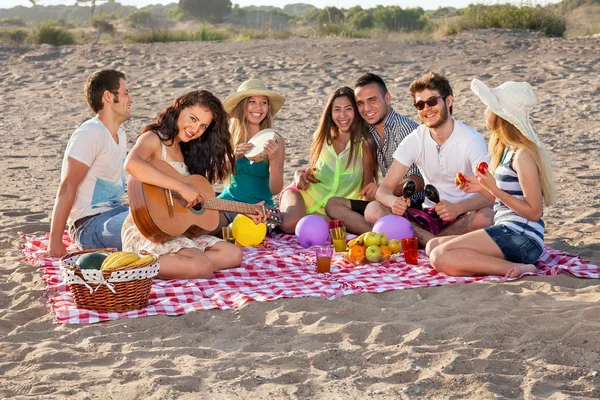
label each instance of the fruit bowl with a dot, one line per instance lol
(364, 261)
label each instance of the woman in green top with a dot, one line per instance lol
(342, 163)
(251, 109)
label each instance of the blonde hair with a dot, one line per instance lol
(503, 135)
(238, 126)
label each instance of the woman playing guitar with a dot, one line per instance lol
(191, 135)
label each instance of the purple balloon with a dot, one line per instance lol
(394, 227)
(312, 230)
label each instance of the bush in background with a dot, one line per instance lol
(508, 16)
(49, 33)
(163, 36)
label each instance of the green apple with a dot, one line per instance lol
(384, 239)
(395, 246)
(373, 253)
(372, 239)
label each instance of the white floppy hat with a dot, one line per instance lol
(253, 87)
(511, 101)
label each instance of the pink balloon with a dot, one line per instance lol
(312, 230)
(394, 227)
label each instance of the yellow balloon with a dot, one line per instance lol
(246, 232)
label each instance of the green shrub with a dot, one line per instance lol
(161, 36)
(49, 33)
(18, 36)
(14, 21)
(395, 18)
(508, 16)
(340, 30)
(361, 20)
(141, 18)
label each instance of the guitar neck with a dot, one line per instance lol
(230, 206)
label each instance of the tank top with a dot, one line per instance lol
(337, 178)
(508, 181)
(250, 184)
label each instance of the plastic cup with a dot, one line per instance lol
(338, 238)
(335, 223)
(410, 246)
(228, 234)
(324, 254)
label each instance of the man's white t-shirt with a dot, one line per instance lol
(104, 184)
(463, 150)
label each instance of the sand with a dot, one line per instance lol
(532, 338)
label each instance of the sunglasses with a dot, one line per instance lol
(431, 102)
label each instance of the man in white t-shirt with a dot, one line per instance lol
(92, 176)
(441, 147)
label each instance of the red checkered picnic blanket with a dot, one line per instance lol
(278, 268)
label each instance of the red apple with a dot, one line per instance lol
(460, 179)
(482, 167)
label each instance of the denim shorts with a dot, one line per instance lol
(103, 230)
(515, 247)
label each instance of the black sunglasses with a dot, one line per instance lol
(431, 102)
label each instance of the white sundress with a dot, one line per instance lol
(134, 241)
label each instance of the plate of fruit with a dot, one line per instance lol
(371, 247)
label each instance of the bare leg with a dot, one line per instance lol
(293, 209)
(198, 264)
(185, 264)
(339, 208)
(470, 222)
(376, 210)
(436, 241)
(519, 269)
(473, 253)
(224, 255)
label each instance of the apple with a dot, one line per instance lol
(372, 239)
(395, 246)
(482, 167)
(373, 253)
(460, 178)
(384, 239)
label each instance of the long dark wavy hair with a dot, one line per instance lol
(211, 155)
(328, 131)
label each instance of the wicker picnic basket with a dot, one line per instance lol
(110, 291)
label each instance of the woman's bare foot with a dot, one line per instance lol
(520, 269)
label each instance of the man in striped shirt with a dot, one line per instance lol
(388, 129)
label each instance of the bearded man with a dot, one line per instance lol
(440, 147)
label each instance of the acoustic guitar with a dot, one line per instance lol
(161, 214)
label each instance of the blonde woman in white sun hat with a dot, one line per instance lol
(520, 184)
(251, 109)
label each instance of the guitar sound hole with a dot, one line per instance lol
(198, 207)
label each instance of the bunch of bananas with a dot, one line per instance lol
(122, 260)
(359, 240)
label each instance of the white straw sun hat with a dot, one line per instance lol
(253, 87)
(512, 101)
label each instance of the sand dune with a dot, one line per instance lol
(532, 338)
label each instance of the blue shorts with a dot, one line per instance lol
(515, 247)
(102, 230)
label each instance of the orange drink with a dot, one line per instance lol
(339, 244)
(324, 254)
(338, 238)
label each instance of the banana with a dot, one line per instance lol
(110, 258)
(352, 243)
(119, 259)
(140, 261)
(361, 239)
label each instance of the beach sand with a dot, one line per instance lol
(531, 338)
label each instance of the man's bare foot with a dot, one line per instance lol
(520, 269)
